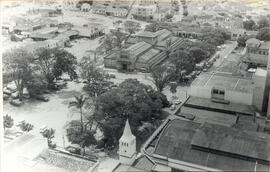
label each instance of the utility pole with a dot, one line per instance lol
(63, 141)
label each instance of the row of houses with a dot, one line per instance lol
(110, 11)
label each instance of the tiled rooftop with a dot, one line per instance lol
(143, 163)
(66, 161)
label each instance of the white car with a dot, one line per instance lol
(177, 102)
(44, 127)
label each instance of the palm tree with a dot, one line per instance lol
(79, 103)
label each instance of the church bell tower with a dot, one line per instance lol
(127, 146)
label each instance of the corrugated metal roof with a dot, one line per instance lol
(232, 141)
(177, 138)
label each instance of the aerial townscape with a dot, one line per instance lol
(135, 85)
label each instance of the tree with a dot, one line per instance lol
(153, 27)
(131, 99)
(263, 22)
(162, 76)
(19, 64)
(8, 121)
(79, 103)
(198, 54)
(264, 34)
(249, 24)
(75, 136)
(181, 61)
(168, 16)
(24, 126)
(37, 85)
(53, 62)
(131, 27)
(118, 38)
(48, 133)
(214, 36)
(242, 41)
(107, 43)
(97, 81)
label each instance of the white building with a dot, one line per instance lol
(85, 7)
(226, 88)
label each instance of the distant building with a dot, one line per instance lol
(257, 52)
(99, 9)
(192, 32)
(236, 33)
(116, 12)
(91, 30)
(144, 12)
(85, 7)
(69, 5)
(44, 33)
(110, 10)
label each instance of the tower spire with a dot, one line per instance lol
(127, 131)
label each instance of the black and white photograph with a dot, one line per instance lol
(135, 85)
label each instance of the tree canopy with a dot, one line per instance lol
(19, 64)
(263, 22)
(264, 34)
(53, 62)
(215, 36)
(97, 81)
(132, 100)
(75, 136)
(161, 76)
(8, 121)
(249, 24)
(152, 27)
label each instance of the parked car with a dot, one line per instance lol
(16, 102)
(75, 150)
(44, 127)
(173, 107)
(177, 102)
(42, 98)
(112, 76)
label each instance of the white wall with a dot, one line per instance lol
(239, 97)
(232, 96)
(202, 92)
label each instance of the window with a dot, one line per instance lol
(215, 91)
(221, 92)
